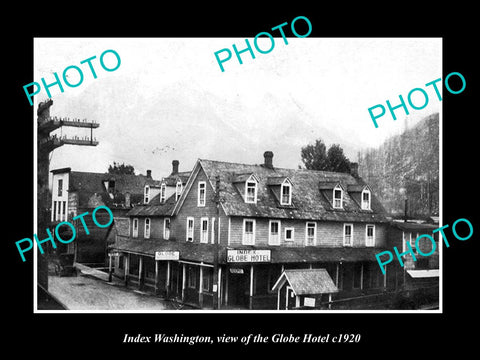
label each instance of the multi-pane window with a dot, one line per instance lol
(64, 210)
(310, 233)
(213, 231)
(178, 190)
(206, 278)
(54, 212)
(251, 192)
(204, 230)
(166, 228)
(347, 234)
(60, 187)
(248, 232)
(289, 234)
(337, 197)
(147, 228)
(370, 235)
(146, 195)
(286, 194)
(201, 193)
(135, 227)
(163, 189)
(366, 199)
(192, 277)
(274, 232)
(190, 223)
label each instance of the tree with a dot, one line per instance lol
(316, 157)
(337, 161)
(118, 168)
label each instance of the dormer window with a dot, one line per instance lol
(338, 197)
(146, 194)
(178, 190)
(163, 189)
(286, 193)
(366, 197)
(251, 190)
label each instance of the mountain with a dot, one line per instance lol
(406, 167)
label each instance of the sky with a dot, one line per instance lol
(169, 99)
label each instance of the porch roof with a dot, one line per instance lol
(307, 282)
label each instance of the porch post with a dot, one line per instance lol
(200, 288)
(167, 281)
(156, 277)
(184, 272)
(126, 264)
(251, 288)
(109, 267)
(140, 270)
(226, 286)
(219, 287)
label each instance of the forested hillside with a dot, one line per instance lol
(404, 167)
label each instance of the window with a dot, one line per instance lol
(60, 187)
(274, 232)
(251, 192)
(201, 193)
(357, 275)
(135, 228)
(163, 188)
(248, 232)
(64, 210)
(178, 190)
(204, 230)
(166, 228)
(207, 274)
(337, 197)
(347, 234)
(412, 243)
(366, 199)
(311, 234)
(192, 277)
(54, 212)
(190, 223)
(213, 231)
(146, 235)
(370, 235)
(286, 193)
(146, 195)
(289, 234)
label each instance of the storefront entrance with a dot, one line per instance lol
(239, 287)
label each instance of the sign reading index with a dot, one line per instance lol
(248, 256)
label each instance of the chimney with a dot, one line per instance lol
(268, 156)
(149, 174)
(354, 169)
(175, 167)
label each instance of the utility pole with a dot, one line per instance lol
(46, 143)
(216, 302)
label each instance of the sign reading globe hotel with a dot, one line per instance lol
(248, 256)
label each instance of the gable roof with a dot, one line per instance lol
(310, 203)
(307, 281)
(89, 184)
(154, 207)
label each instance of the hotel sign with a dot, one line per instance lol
(248, 256)
(167, 255)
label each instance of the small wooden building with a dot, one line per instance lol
(303, 288)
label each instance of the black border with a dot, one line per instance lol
(382, 334)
